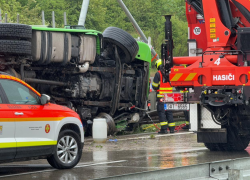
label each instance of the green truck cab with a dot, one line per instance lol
(96, 74)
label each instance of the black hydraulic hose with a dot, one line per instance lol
(197, 5)
(152, 121)
(213, 117)
(117, 117)
(145, 112)
(243, 10)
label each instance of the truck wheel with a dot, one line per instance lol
(87, 129)
(67, 152)
(14, 47)
(234, 141)
(225, 147)
(15, 31)
(110, 123)
(213, 146)
(127, 45)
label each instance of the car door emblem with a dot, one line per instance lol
(47, 128)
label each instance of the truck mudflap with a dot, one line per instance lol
(213, 136)
(209, 131)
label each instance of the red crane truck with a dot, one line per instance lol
(217, 71)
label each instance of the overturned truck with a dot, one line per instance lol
(96, 74)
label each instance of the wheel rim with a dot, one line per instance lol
(67, 149)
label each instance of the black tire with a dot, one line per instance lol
(87, 130)
(54, 160)
(111, 129)
(127, 45)
(15, 31)
(213, 146)
(225, 147)
(14, 47)
(234, 141)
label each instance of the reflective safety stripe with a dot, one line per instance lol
(190, 76)
(183, 77)
(32, 119)
(155, 84)
(7, 145)
(176, 77)
(171, 124)
(162, 92)
(26, 144)
(164, 123)
(159, 95)
(166, 88)
(187, 122)
(36, 143)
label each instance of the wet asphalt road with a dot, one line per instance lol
(130, 154)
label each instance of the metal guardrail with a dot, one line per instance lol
(232, 169)
(43, 18)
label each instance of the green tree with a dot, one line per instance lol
(149, 16)
(58, 6)
(104, 13)
(96, 15)
(28, 13)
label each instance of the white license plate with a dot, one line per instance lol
(176, 106)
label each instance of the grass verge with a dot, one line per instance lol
(152, 128)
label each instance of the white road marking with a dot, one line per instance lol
(189, 150)
(134, 167)
(161, 135)
(100, 163)
(174, 134)
(143, 136)
(50, 170)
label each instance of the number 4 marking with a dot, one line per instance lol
(217, 62)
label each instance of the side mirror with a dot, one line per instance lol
(45, 99)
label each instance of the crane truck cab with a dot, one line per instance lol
(217, 72)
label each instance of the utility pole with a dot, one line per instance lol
(43, 18)
(17, 18)
(136, 26)
(65, 18)
(83, 14)
(0, 16)
(6, 18)
(53, 19)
